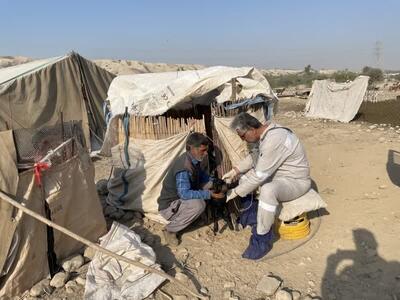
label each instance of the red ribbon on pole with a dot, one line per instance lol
(38, 168)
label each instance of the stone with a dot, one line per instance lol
(381, 139)
(39, 288)
(268, 285)
(204, 290)
(382, 187)
(73, 263)
(234, 297)
(89, 253)
(296, 295)
(228, 294)
(59, 280)
(283, 295)
(80, 280)
(311, 283)
(290, 114)
(181, 276)
(229, 285)
(372, 127)
(71, 287)
(198, 264)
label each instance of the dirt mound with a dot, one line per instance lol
(8, 61)
(123, 67)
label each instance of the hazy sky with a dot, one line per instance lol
(268, 34)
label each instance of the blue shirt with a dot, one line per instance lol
(184, 188)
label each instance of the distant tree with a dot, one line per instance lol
(375, 74)
(307, 69)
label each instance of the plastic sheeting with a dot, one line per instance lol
(336, 101)
(150, 162)
(108, 278)
(154, 94)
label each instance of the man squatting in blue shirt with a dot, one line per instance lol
(186, 188)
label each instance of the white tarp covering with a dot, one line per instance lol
(155, 93)
(336, 101)
(150, 161)
(108, 278)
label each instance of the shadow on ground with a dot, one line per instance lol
(361, 273)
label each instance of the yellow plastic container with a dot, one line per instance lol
(294, 229)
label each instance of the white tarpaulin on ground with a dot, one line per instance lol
(155, 93)
(109, 278)
(336, 101)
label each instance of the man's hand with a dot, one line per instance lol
(231, 176)
(231, 195)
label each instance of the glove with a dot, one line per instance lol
(230, 176)
(231, 194)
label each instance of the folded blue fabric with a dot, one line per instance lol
(249, 214)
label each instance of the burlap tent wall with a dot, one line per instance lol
(336, 101)
(164, 108)
(69, 192)
(35, 94)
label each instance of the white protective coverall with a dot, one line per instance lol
(279, 167)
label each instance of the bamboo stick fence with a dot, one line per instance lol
(159, 127)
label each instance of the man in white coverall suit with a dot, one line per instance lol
(279, 167)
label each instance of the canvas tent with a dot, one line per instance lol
(29, 251)
(35, 94)
(336, 101)
(164, 107)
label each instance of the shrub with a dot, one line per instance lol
(375, 74)
(343, 76)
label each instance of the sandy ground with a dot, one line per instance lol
(354, 254)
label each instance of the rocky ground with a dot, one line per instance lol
(354, 254)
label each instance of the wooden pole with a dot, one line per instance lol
(97, 247)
